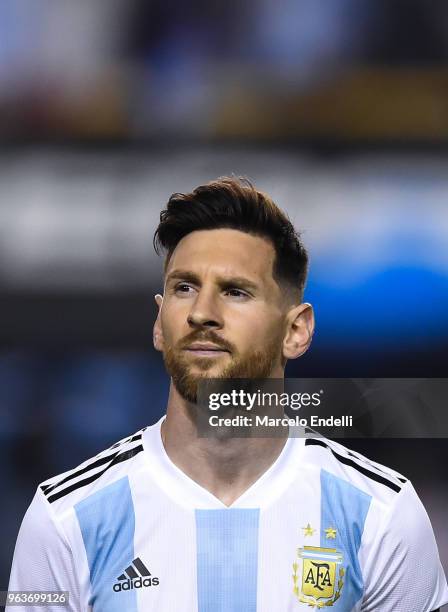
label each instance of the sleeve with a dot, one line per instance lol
(43, 559)
(403, 570)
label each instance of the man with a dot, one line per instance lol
(168, 521)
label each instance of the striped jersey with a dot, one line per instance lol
(323, 527)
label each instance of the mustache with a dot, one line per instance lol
(209, 336)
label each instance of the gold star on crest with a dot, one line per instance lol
(308, 530)
(330, 533)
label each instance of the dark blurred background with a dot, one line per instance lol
(339, 109)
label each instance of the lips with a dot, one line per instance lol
(206, 346)
(205, 349)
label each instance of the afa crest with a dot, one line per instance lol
(321, 580)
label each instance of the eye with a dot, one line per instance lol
(183, 288)
(237, 293)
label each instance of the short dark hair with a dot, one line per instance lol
(235, 203)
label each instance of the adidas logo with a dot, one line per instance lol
(136, 576)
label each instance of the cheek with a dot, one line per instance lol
(257, 331)
(172, 322)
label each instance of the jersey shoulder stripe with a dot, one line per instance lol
(389, 472)
(357, 462)
(87, 472)
(378, 467)
(90, 464)
(124, 456)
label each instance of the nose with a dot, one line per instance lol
(205, 311)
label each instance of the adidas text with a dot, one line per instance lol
(137, 583)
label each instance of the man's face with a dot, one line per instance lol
(222, 315)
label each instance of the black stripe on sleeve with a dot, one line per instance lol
(400, 478)
(50, 487)
(370, 474)
(82, 483)
(102, 461)
(126, 440)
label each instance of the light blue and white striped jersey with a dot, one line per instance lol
(322, 527)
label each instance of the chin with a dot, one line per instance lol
(211, 372)
(209, 366)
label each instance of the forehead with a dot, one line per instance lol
(225, 251)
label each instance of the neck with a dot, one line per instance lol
(227, 466)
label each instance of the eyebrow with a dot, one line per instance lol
(185, 275)
(238, 281)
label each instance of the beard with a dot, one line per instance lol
(257, 364)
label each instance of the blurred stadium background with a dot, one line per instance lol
(339, 109)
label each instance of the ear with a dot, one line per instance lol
(157, 335)
(299, 332)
